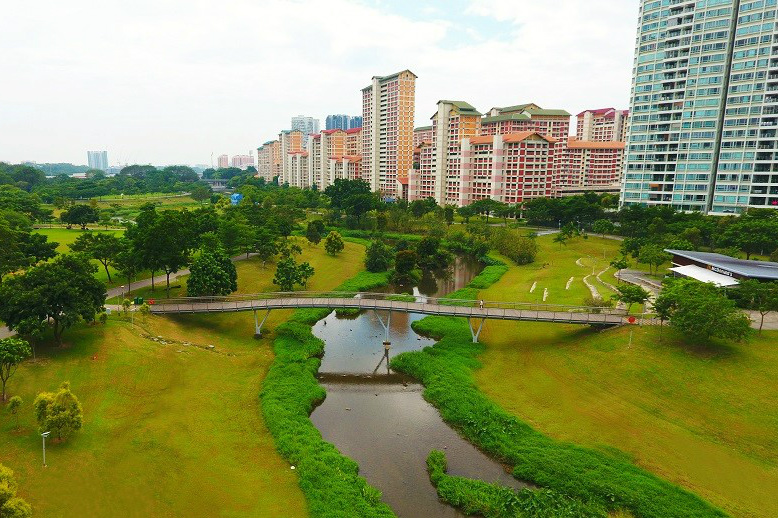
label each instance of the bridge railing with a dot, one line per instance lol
(363, 300)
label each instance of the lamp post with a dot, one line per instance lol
(44, 435)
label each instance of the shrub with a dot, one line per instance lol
(59, 413)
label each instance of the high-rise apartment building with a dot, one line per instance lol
(291, 142)
(388, 106)
(269, 160)
(527, 117)
(704, 107)
(602, 125)
(97, 160)
(343, 122)
(223, 161)
(590, 166)
(307, 125)
(243, 161)
(422, 134)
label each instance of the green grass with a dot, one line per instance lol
(169, 430)
(605, 479)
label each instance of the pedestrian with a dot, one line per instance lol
(481, 304)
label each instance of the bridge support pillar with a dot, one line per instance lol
(475, 332)
(258, 325)
(385, 326)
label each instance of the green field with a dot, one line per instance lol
(704, 417)
(170, 430)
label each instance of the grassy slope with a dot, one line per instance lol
(703, 418)
(166, 433)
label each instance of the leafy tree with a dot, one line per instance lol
(13, 408)
(265, 245)
(100, 246)
(304, 272)
(630, 294)
(620, 263)
(201, 192)
(758, 296)
(59, 412)
(20, 246)
(334, 243)
(289, 273)
(448, 214)
(212, 273)
(654, 256)
(173, 244)
(560, 238)
(63, 290)
(341, 190)
(11, 506)
(13, 351)
(127, 261)
(751, 236)
(602, 227)
(466, 213)
(663, 307)
(80, 215)
(312, 233)
(405, 262)
(702, 311)
(378, 257)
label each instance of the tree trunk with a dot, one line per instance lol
(3, 388)
(105, 265)
(152, 280)
(167, 288)
(57, 332)
(761, 323)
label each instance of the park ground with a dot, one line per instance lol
(171, 429)
(704, 417)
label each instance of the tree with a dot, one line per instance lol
(312, 233)
(127, 262)
(654, 256)
(63, 291)
(289, 273)
(701, 311)
(751, 236)
(100, 246)
(304, 272)
(378, 257)
(334, 243)
(80, 215)
(13, 351)
(11, 506)
(448, 214)
(466, 213)
(405, 262)
(602, 227)
(663, 307)
(173, 244)
(212, 273)
(58, 412)
(265, 245)
(630, 294)
(200, 192)
(620, 263)
(13, 408)
(758, 296)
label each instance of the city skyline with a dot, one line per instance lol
(56, 96)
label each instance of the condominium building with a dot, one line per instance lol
(588, 166)
(242, 161)
(438, 172)
(291, 142)
(343, 122)
(354, 141)
(602, 125)
(223, 161)
(527, 117)
(297, 169)
(704, 107)
(387, 130)
(269, 160)
(97, 160)
(306, 125)
(422, 134)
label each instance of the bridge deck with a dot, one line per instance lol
(426, 306)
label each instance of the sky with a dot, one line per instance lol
(173, 81)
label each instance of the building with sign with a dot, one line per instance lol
(721, 270)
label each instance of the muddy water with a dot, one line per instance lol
(380, 419)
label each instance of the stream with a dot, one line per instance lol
(380, 419)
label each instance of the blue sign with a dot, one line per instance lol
(235, 198)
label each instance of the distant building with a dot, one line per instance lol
(343, 122)
(587, 166)
(603, 125)
(97, 160)
(306, 125)
(243, 161)
(422, 134)
(719, 269)
(223, 161)
(388, 107)
(291, 142)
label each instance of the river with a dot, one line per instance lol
(380, 419)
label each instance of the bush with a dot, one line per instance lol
(59, 413)
(378, 257)
(519, 249)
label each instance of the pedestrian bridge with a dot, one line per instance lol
(473, 310)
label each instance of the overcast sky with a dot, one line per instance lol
(172, 81)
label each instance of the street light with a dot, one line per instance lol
(44, 435)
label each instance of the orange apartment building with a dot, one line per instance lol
(291, 142)
(388, 106)
(269, 160)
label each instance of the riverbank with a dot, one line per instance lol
(446, 370)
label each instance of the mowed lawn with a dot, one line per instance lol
(170, 429)
(704, 417)
(66, 237)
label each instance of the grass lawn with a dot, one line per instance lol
(553, 268)
(169, 430)
(702, 417)
(65, 237)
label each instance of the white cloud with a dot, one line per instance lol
(172, 81)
